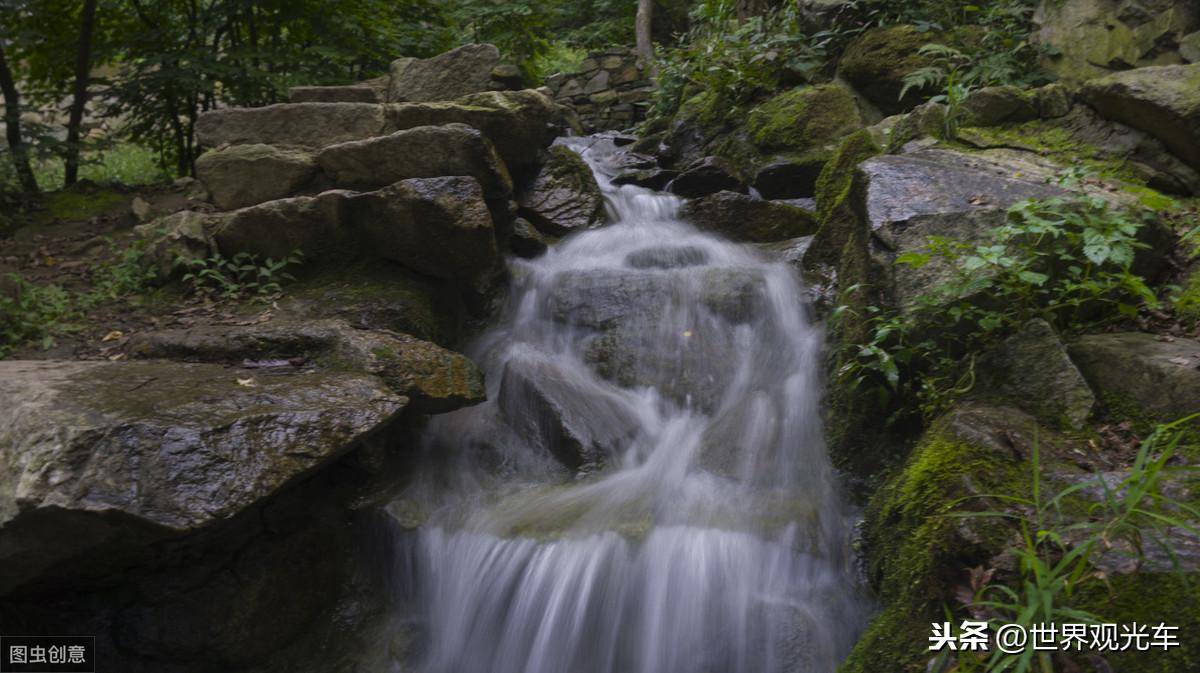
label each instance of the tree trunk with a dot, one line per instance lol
(749, 8)
(83, 70)
(12, 122)
(645, 48)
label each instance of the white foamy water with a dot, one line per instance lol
(699, 529)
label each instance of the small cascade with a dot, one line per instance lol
(646, 490)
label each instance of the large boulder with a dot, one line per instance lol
(1141, 375)
(312, 225)
(605, 298)
(579, 422)
(707, 176)
(178, 237)
(564, 196)
(1032, 372)
(433, 379)
(440, 227)
(898, 188)
(519, 123)
(420, 152)
(876, 63)
(798, 130)
(1162, 101)
(99, 460)
(995, 105)
(454, 74)
(245, 175)
(1091, 38)
(313, 125)
(744, 218)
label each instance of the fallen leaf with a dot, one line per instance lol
(248, 383)
(113, 335)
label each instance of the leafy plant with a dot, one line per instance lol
(1068, 262)
(30, 312)
(127, 275)
(1061, 549)
(737, 61)
(241, 276)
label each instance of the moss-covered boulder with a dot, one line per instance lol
(789, 135)
(916, 554)
(835, 215)
(1032, 371)
(995, 105)
(799, 130)
(876, 63)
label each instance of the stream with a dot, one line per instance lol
(699, 526)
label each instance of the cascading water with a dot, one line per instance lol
(676, 375)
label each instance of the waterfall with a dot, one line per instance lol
(646, 490)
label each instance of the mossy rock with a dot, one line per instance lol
(877, 62)
(833, 193)
(1150, 599)
(804, 120)
(799, 125)
(916, 553)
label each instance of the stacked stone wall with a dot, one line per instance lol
(611, 91)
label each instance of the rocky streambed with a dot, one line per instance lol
(461, 444)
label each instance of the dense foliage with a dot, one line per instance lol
(1069, 263)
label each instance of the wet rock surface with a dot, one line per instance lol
(193, 448)
(1162, 101)
(564, 196)
(744, 218)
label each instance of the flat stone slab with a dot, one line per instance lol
(108, 456)
(312, 125)
(1160, 379)
(355, 93)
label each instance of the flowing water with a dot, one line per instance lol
(646, 490)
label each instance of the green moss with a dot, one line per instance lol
(1151, 599)
(1151, 198)
(1050, 138)
(878, 61)
(834, 213)
(804, 119)
(916, 553)
(81, 204)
